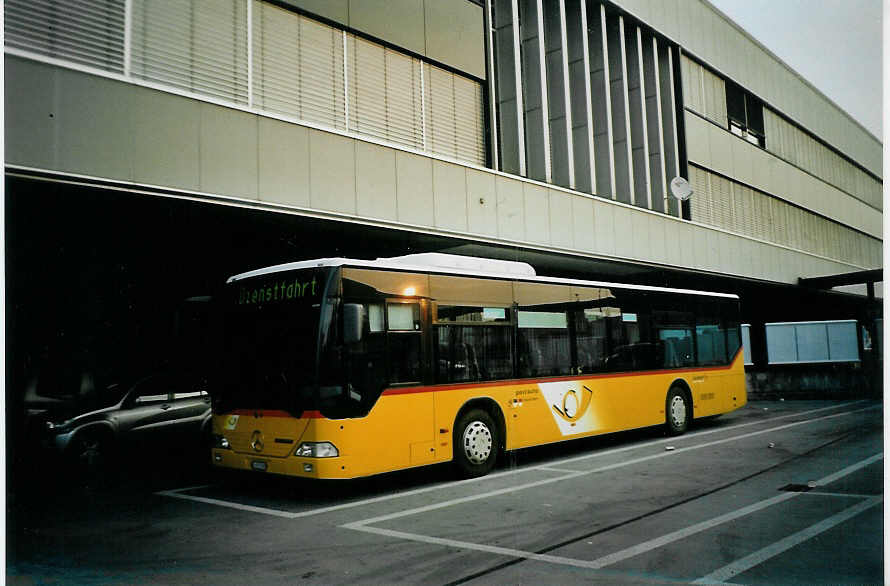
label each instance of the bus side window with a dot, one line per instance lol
(404, 342)
(543, 343)
(674, 330)
(472, 344)
(375, 317)
(591, 336)
(366, 360)
(716, 337)
(457, 357)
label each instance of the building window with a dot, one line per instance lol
(816, 341)
(295, 66)
(746, 344)
(86, 33)
(745, 113)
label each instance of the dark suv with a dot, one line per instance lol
(169, 410)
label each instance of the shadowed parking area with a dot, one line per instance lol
(621, 508)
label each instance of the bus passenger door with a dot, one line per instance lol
(406, 323)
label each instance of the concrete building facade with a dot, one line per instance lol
(539, 130)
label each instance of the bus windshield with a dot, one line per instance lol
(271, 339)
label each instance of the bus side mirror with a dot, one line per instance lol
(353, 320)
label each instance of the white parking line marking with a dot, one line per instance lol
(848, 495)
(552, 469)
(186, 489)
(228, 504)
(177, 493)
(647, 546)
(847, 471)
(622, 464)
(758, 557)
(505, 551)
(599, 563)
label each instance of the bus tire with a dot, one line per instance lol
(678, 411)
(475, 443)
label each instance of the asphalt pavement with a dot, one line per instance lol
(777, 492)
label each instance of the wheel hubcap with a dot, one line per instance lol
(90, 454)
(477, 442)
(678, 411)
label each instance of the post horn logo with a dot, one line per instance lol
(574, 408)
(256, 441)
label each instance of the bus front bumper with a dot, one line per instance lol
(337, 467)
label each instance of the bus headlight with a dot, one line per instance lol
(220, 441)
(317, 450)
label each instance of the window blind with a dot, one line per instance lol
(298, 67)
(80, 31)
(704, 92)
(725, 204)
(792, 144)
(385, 98)
(196, 45)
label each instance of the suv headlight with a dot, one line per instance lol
(220, 441)
(60, 427)
(317, 450)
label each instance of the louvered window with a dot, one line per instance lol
(295, 67)
(199, 46)
(469, 133)
(730, 106)
(440, 119)
(722, 203)
(798, 148)
(80, 31)
(745, 113)
(700, 207)
(703, 91)
(385, 99)
(409, 102)
(300, 70)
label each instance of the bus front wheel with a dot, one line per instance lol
(475, 443)
(678, 411)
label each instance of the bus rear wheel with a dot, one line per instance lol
(475, 443)
(678, 411)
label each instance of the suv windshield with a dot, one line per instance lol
(270, 341)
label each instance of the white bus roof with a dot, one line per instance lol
(453, 264)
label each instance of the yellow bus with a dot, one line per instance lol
(341, 368)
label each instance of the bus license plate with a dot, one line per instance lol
(258, 465)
